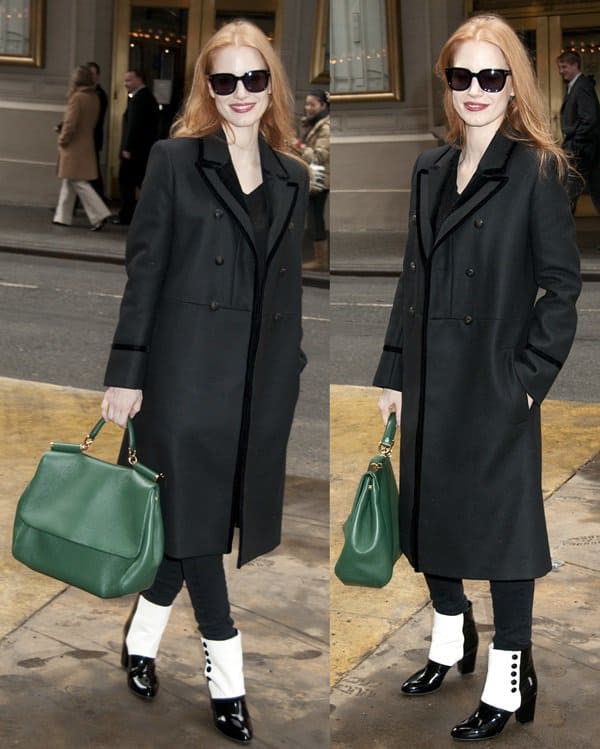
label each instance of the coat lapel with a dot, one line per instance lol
(430, 183)
(489, 178)
(282, 193)
(213, 155)
(281, 190)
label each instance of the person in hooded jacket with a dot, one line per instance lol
(206, 355)
(482, 322)
(314, 149)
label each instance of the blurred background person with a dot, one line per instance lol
(77, 162)
(314, 149)
(580, 123)
(139, 132)
(98, 184)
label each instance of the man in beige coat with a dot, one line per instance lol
(77, 164)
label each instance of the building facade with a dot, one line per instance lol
(377, 134)
(163, 38)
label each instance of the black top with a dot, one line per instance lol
(450, 198)
(256, 206)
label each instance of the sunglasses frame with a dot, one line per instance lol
(505, 73)
(245, 78)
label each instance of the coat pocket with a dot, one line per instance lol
(519, 407)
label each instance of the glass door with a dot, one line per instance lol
(546, 37)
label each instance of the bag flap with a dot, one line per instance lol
(89, 502)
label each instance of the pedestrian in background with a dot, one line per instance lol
(139, 132)
(209, 335)
(98, 184)
(77, 163)
(482, 322)
(314, 149)
(580, 123)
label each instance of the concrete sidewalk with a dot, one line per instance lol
(379, 637)
(61, 685)
(30, 231)
(381, 253)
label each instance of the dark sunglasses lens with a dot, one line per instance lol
(256, 81)
(459, 79)
(223, 83)
(491, 81)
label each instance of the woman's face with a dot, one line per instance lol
(240, 108)
(313, 106)
(476, 107)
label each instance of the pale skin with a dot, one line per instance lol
(241, 112)
(482, 113)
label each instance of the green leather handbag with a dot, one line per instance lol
(372, 532)
(89, 523)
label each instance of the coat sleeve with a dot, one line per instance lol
(389, 370)
(70, 121)
(147, 257)
(556, 268)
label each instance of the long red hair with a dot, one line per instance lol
(525, 118)
(200, 117)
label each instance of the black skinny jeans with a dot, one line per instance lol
(512, 601)
(207, 588)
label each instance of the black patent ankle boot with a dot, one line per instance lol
(225, 676)
(429, 679)
(510, 686)
(232, 719)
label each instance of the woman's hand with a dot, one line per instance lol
(120, 403)
(390, 400)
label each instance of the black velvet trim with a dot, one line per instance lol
(393, 349)
(127, 347)
(544, 356)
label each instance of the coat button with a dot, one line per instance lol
(219, 260)
(291, 226)
(282, 271)
(467, 319)
(213, 306)
(413, 218)
(412, 265)
(218, 213)
(478, 223)
(277, 316)
(411, 311)
(470, 272)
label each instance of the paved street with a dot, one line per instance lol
(59, 647)
(58, 319)
(379, 637)
(360, 308)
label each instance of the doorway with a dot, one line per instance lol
(547, 29)
(162, 38)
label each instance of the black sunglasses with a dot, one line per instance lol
(491, 80)
(255, 81)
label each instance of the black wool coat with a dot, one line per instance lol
(466, 342)
(214, 343)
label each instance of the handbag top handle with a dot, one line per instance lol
(131, 451)
(387, 441)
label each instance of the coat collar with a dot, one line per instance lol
(282, 190)
(488, 179)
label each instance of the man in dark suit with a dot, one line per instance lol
(140, 129)
(580, 123)
(98, 184)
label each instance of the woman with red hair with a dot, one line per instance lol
(206, 354)
(482, 322)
